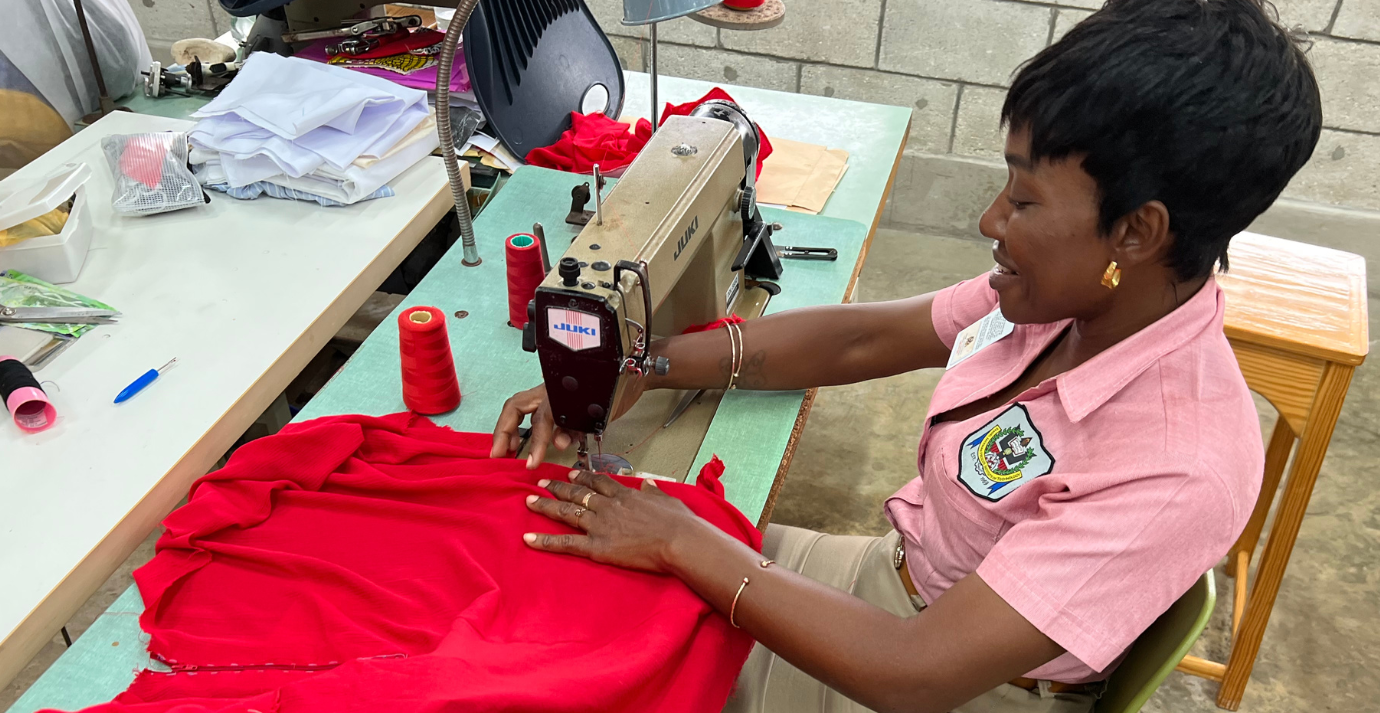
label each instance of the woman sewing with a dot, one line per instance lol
(1091, 449)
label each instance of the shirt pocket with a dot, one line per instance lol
(961, 501)
(981, 525)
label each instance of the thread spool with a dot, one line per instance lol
(429, 383)
(523, 254)
(24, 397)
(744, 4)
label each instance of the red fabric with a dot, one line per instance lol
(591, 139)
(402, 42)
(595, 138)
(716, 93)
(730, 319)
(372, 564)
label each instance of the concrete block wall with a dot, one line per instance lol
(167, 21)
(950, 61)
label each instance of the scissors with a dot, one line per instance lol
(57, 315)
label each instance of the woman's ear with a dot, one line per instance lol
(1142, 236)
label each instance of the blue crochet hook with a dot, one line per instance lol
(147, 378)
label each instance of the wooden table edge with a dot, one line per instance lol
(1353, 357)
(22, 643)
(805, 405)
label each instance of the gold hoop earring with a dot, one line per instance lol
(1112, 277)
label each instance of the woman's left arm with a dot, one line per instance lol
(967, 642)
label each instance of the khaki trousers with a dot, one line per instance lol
(861, 566)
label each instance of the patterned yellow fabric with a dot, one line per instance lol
(49, 223)
(400, 63)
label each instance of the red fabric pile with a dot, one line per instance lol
(376, 564)
(595, 138)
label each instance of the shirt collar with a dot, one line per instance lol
(1083, 389)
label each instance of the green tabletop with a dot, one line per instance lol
(751, 431)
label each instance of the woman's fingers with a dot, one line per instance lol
(570, 492)
(598, 482)
(506, 430)
(542, 428)
(561, 544)
(510, 420)
(650, 487)
(572, 514)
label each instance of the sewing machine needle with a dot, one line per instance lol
(582, 453)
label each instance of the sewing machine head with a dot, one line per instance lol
(672, 246)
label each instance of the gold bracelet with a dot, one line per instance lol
(733, 356)
(738, 363)
(734, 609)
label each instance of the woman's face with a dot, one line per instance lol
(1049, 255)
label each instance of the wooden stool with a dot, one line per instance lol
(1296, 318)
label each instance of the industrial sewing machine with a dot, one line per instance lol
(678, 241)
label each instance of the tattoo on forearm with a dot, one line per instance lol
(753, 373)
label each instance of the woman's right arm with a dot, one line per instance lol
(796, 349)
(809, 347)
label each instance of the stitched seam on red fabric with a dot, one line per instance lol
(177, 668)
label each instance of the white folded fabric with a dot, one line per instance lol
(361, 179)
(291, 96)
(357, 182)
(307, 126)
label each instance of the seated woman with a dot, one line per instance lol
(1091, 449)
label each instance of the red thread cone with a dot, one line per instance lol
(525, 272)
(429, 383)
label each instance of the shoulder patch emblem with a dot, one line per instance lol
(1002, 455)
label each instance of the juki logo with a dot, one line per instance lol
(577, 329)
(685, 238)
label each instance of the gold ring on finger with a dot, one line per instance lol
(585, 502)
(578, 513)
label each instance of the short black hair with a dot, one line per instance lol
(1208, 106)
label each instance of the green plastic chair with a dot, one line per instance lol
(1159, 650)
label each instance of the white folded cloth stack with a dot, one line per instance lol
(311, 127)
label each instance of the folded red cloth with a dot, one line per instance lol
(595, 138)
(354, 564)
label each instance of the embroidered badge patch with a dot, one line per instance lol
(1002, 455)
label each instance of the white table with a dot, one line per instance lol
(244, 294)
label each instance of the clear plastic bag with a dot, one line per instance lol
(151, 174)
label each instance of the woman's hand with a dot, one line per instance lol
(544, 430)
(625, 527)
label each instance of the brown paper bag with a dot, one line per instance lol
(800, 176)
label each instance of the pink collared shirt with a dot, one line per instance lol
(1095, 499)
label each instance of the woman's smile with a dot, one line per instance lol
(1002, 274)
